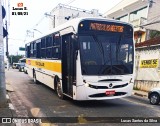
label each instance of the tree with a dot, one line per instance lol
(14, 59)
(154, 33)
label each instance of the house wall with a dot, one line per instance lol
(147, 67)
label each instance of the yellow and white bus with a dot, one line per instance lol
(85, 59)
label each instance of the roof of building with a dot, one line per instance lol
(125, 6)
(148, 43)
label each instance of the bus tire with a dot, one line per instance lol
(59, 89)
(34, 78)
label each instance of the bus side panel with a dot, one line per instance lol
(30, 71)
(46, 79)
(46, 73)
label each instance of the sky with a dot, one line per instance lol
(18, 24)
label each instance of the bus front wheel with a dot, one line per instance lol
(59, 90)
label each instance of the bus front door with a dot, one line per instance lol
(68, 65)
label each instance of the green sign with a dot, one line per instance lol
(21, 48)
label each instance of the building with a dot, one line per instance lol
(62, 13)
(134, 12)
(153, 19)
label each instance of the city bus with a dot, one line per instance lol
(84, 59)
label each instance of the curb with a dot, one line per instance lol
(141, 95)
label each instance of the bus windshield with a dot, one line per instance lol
(106, 54)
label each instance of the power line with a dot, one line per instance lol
(16, 39)
(39, 22)
(69, 2)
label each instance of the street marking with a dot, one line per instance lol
(11, 106)
(81, 119)
(47, 124)
(35, 111)
(7, 96)
(18, 124)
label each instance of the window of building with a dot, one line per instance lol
(138, 14)
(123, 18)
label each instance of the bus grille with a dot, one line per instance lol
(106, 87)
(104, 94)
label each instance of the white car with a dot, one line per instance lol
(25, 70)
(154, 96)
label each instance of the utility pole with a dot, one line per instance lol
(7, 53)
(3, 102)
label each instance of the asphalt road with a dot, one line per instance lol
(37, 100)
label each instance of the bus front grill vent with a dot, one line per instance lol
(104, 95)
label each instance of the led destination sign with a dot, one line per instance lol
(106, 27)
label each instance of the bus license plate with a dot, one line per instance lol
(110, 92)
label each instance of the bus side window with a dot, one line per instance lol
(49, 46)
(31, 49)
(56, 49)
(34, 49)
(43, 48)
(28, 51)
(38, 48)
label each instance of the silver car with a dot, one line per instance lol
(154, 96)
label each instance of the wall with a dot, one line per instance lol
(148, 65)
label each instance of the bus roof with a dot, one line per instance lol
(74, 23)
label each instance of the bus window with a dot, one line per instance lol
(49, 41)
(31, 50)
(34, 49)
(49, 46)
(43, 48)
(38, 46)
(56, 50)
(28, 51)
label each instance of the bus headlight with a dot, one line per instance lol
(86, 84)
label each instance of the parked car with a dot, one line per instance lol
(25, 70)
(15, 65)
(154, 96)
(21, 67)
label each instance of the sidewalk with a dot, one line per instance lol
(7, 111)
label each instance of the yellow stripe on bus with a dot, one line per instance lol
(52, 66)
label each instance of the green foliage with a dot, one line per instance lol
(154, 34)
(135, 88)
(14, 59)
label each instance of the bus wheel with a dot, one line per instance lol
(59, 90)
(34, 78)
